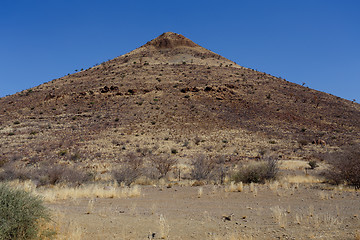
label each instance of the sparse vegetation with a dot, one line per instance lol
(166, 110)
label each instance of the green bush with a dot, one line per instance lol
(20, 214)
(313, 164)
(257, 172)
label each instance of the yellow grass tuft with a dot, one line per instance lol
(164, 228)
(235, 187)
(200, 192)
(240, 187)
(280, 215)
(293, 164)
(252, 187)
(301, 179)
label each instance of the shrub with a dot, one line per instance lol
(45, 174)
(130, 169)
(163, 164)
(202, 167)
(21, 214)
(51, 175)
(257, 172)
(10, 172)
(313, 164)
(345, 167)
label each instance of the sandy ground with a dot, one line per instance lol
(270, 211)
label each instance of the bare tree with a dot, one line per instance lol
(202, 167)
(130, 170)
(163, 163)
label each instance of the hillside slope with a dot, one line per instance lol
(171, 95)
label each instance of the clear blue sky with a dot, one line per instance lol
(315, 42)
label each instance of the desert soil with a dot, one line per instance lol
(270, 211)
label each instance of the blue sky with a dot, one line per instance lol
(313, 42)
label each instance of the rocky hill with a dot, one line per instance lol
(172, 96)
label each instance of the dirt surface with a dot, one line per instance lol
(288, 211)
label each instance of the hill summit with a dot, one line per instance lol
(170, 40)
(173, 48)
(171, 96)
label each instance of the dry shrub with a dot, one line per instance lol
(130, 170)
(163, 164)
(10, 172)
(220, 170)
(46, 174)
(258, 172)
(51, 175)
(344, 167)
(202, 167)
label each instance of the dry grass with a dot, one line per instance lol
(71, 232)
(293, 165)
(164, 228)
(90, 206)
(64, 229)
(200, 192)
(55, 193)
(252, 187)
(357, 235)
(324, 221)
(301, 179)
(235, 187)
(323, 195)
(280, 215)
(88, 191)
